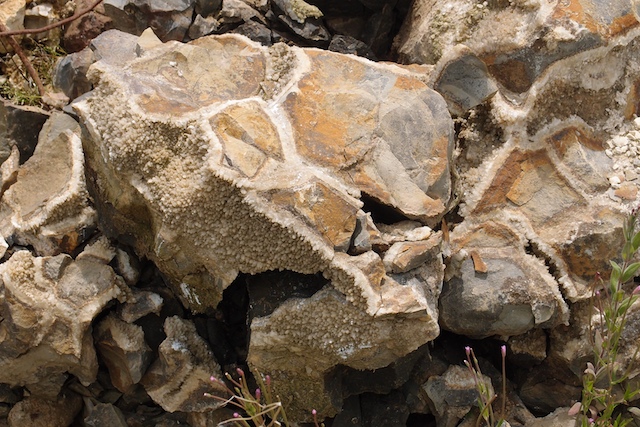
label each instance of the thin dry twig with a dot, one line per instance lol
(5, 31)
(25, 60)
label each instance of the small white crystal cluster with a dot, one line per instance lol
(623, 149)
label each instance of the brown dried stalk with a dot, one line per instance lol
(4, 32)
(23, 57)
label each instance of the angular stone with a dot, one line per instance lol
(114, 47)
(169, 19)
(234, 11)
(298, 10)
(39, 16)
(256, 32)
(48, 205)
(345, 44)
(79, 33)
(35, 412)
(404, 256)
(122, 348)
(202, 26)
(48, 305)
(105, 414)
(515, 295)
(179, 378)
(452, 395)
(528, 349)
(9, 170)
(144, 302)
(20, 126)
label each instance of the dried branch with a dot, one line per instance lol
(5, 31)
(25, 60)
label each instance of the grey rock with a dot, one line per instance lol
(143, 303)
(256, 32)
(105, 414)
(41, 15)
(169, 19)
(513, 297)
(350, 45)
(312, 29)
(452, 395)
(202, 26)
(463, 80)
(115, 47)
(206, 8)
(70, 73)
(377, 31)
(298, 10)
(234, 11)
(20, 126)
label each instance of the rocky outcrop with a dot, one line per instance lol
(344, 226)
(253, 170)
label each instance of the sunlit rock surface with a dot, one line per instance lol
(222, 157)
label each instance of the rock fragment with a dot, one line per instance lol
(48, 305)
(48, 205)
(179, 378)
(35, 412)
(123, 349)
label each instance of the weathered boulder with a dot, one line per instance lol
(48, 304)
(263, 170)
(47, 207)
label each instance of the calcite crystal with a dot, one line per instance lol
(221, 157)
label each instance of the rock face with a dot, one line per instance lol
(316, 216)
(272, 165)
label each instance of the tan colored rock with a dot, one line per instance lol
(12, 13)
(123, 349)
(179, 378)
(35, 412)
(48, 304)
(404, 256)
(210, 172)
(48, 207)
